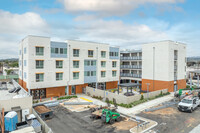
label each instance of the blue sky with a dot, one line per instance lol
(125, 23)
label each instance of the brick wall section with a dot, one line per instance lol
(112, 85)
(159, 85)
(23, 84)
(55, 91)
(79, 88)
(181, 84)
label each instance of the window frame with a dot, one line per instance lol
(60, 76)
(76, 65)
(76, 52)
(59, 66)
(39, 64)
(39, 51)
(90, 53)
(74, 78)
(39, 80)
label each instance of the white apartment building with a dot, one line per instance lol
(49, 69)
(159, 65)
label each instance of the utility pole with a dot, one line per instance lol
(2, 121)
(148, 91)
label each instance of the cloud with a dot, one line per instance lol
(14, 27)
(118, 33)
(21, 23)
(107, 7)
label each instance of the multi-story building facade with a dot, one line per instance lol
(131, 66)
(161, 65)
(48, 68)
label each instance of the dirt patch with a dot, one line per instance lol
(165, 111)
(125, 125)
(42, 109)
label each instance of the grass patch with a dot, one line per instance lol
(66, 97)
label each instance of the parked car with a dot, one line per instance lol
(189, 104)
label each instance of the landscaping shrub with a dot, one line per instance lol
(66, 97)
(142, 97)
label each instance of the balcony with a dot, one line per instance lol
(130, 75)
(175, 57)
(175, 78)
(175, 68)
(131, 66)
(131, 58)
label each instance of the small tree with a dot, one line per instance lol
(142, 97)
(8, 71)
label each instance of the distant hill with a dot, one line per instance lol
(10, 59)
(193, 59)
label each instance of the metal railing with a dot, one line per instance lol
(131, 66)
(131, 58)
(130, 75)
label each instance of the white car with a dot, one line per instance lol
(189, 103)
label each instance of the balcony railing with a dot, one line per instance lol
(131, 58)
(130, 75)
(131, 67)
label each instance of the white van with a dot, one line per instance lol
(189, 103)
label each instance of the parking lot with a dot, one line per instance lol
(170, 120)
(79, 122)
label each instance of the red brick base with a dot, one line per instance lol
(160, 85)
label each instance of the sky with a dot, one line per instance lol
(124, 23)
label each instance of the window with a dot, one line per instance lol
(24, 75)
(87, 63)
(93, 73)
(56, 50)
(103, 74)
(114, 73)
(39, 50)
(39, 64)
(114, 54)
(75, 64)
(39, 77)
(59, 64)
(24, 62)
(93, 63)
(103, 63)
(87, 73)
(61, 51)
(19, 62)
(75, 75)
(59, 76)
(103, 54)
(90, 53)
(20, 52)
(24, 50)
(76, 52)
(65, 50)
(114, 64)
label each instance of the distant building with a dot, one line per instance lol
(49, 69)
(161, 65)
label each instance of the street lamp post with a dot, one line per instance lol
(148, 91)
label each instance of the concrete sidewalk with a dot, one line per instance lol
(136, 109)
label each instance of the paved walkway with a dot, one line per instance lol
(136, 109)
(196, 129)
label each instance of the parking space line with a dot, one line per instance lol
(85, 99)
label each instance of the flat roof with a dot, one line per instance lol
(5, 95)
(129, 84)
(195, 71)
